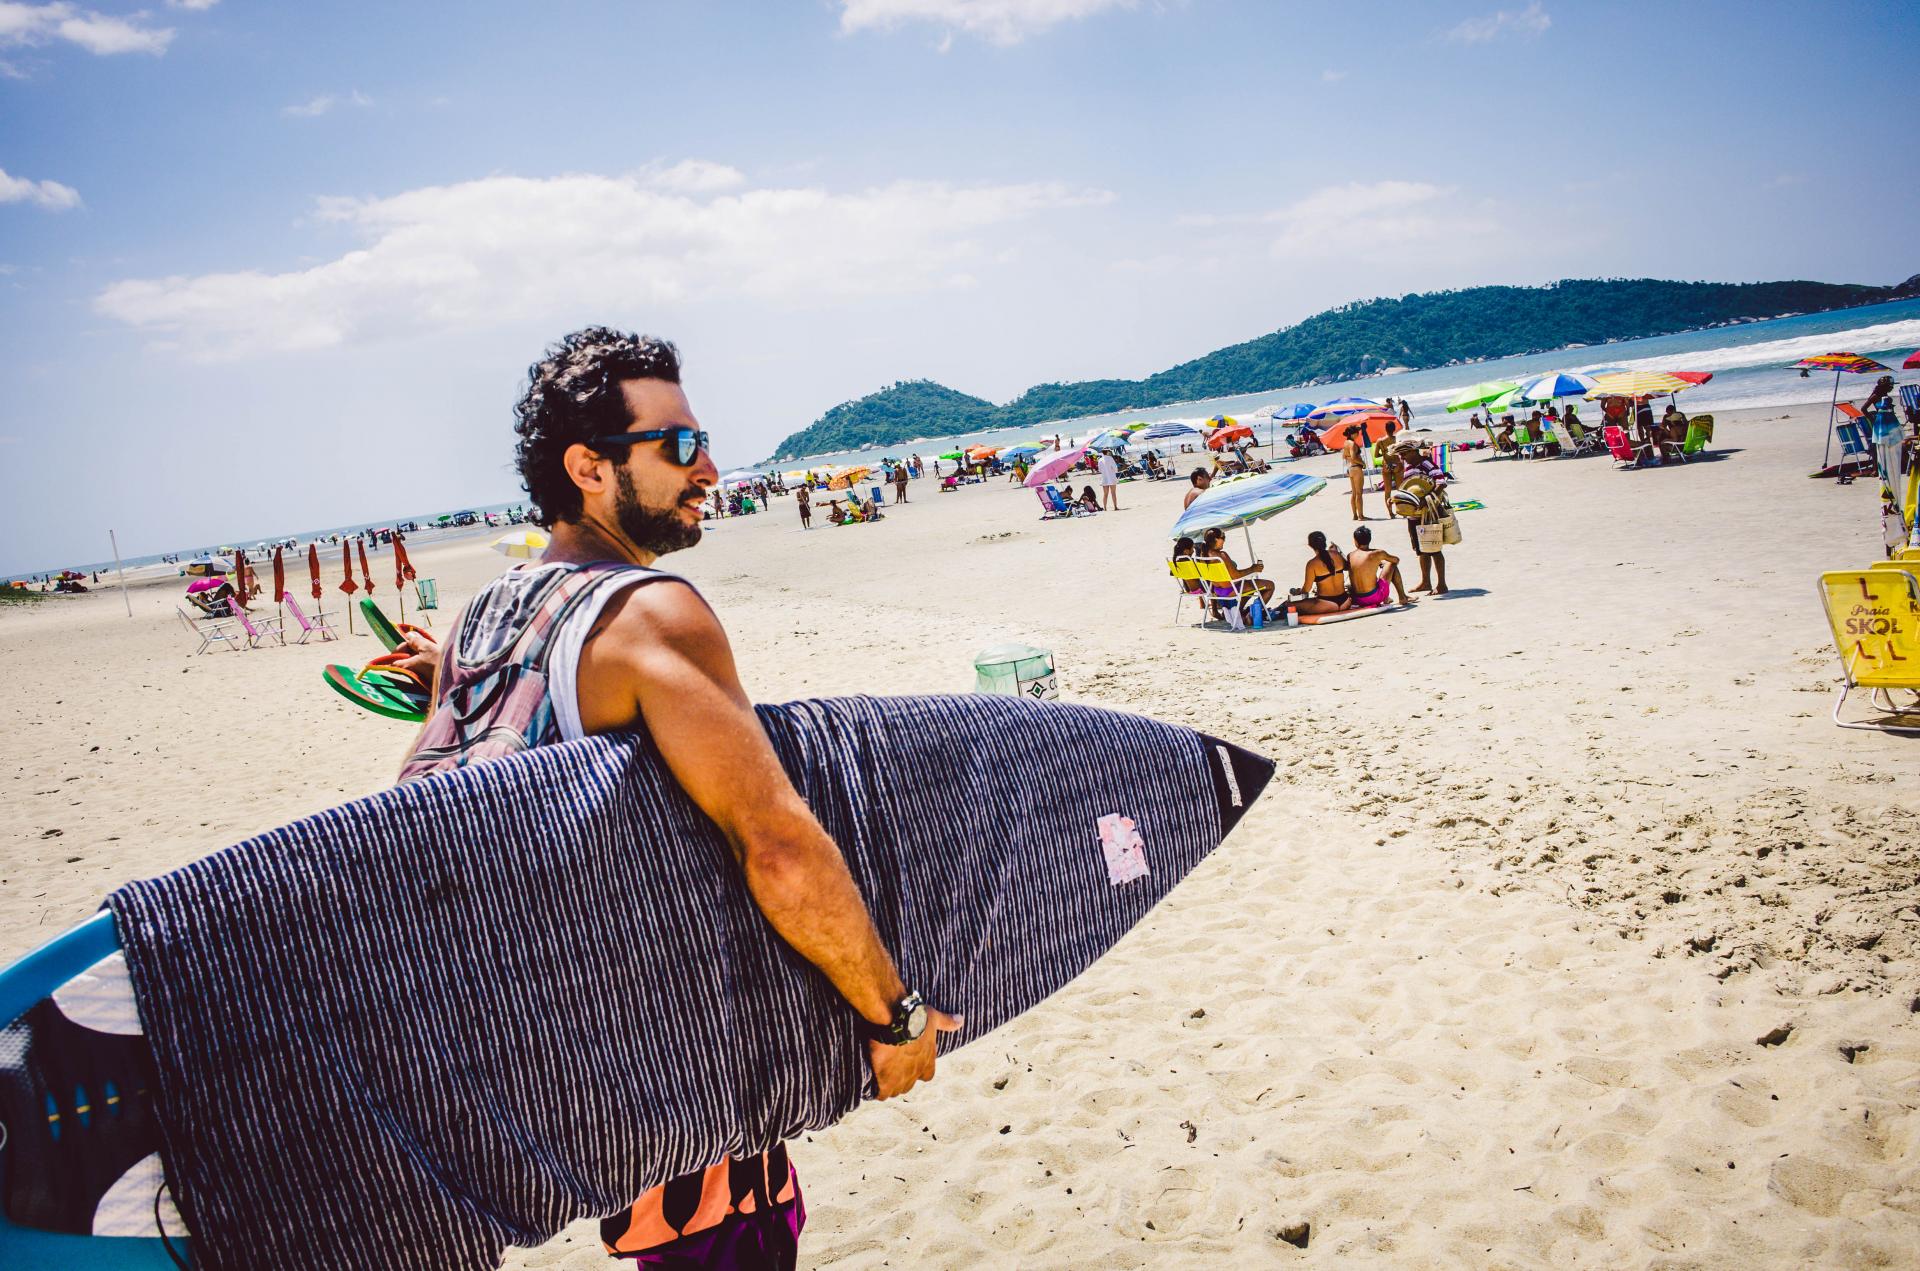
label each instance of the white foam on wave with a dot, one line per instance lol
(1779, 353)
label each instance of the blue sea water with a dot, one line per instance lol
(1750, 363)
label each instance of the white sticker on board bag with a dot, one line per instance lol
(1123, 847)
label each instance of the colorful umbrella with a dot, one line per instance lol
(1222, 421)
(313, 567)
(847, 476)
(1224, 437)
(952, 454)
(1840, 364)
(1168, 429)
(1364, 425)
(1545, 388)
(1342, 406)
(1244, 501)
(1637, 384)
(521, 544)
(1299, 410)
(1696, 378)
(1480, 394)
(1112, 439)
(1059, 462)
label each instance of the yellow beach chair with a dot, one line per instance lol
(1186, 572)
(1875, 618)
(1229, 593)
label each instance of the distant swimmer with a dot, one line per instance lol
(619, 470)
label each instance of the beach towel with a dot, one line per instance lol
(461, 1013)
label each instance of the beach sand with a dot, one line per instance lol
(1571, 933)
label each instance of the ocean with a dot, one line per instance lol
(1750, 364)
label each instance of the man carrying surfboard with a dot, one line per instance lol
(593, 639)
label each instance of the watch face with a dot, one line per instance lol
(916, 1022)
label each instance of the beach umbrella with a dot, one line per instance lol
(1242, 502)
(1299, 410)
(206, 565)
(1912, 362)
(347, 584)
(366, 575)
(1480, 394)
(1637, 384)
(1342, 406)
(1112, 439)
(952, 454)
(240, 577)
(1222, 421)
(403, 571)
(521, 544)
(1168, 430)
(1059, 462)
(1362, 424)
(1021, 451)
(1224, 437)
(279, 577)
(1695, 378)
(1840, 364)
(313, 567)
(1137, 425)
(741, 474)
(1545, 388)
(844, 479)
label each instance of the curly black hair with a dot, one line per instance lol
(573, 395)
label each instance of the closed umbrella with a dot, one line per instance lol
(366, 575)
(279, 578)
(313, 567)
(403, 572)
(346, 583)
(240, 578)
(1058, 463)
(1840, 364)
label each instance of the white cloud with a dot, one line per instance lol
(50, 195)
(463, 256)
(1332, 76)
(1001, 21)
(1532, 20)
(694, 176)
(195, 6)
(1374, 221)
(34, 24)
(314, 107)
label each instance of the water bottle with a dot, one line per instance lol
(1257, 613)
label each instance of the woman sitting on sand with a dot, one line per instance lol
(1213, 546)
(1324, 589)
(1088, 499)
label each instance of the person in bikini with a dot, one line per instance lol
(1213, 546)
(1356, 476)
(1372, 573)
(619, 470)
(1324, 590)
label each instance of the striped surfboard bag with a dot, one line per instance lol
(461, 1013)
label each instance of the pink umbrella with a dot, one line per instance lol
(1055, 465)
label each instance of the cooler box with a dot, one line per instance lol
(1016, 668)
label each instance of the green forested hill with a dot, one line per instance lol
(1418, 331)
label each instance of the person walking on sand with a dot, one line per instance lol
(618, 470)
(1350, 454)
(899, 483)
(1371, 571)
(804, 501)
(1109, 481)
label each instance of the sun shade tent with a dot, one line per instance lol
(1242, 502)
(1840, 364)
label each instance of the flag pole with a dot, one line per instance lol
(119, 569)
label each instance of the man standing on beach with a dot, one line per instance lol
(1109, 481)
(899, 483)
(619, 470)
(804, 500)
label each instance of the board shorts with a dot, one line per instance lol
(744, 1214)
(1375, 598)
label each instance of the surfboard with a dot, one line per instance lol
(1347, 615)
(1002, 846)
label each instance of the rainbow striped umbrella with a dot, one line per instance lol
(1846, 363)
(1342, 406)
(1840, 364)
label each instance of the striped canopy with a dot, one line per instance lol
(1169, 428)
(1480, 394)
(1544, 388)
(1231, 503)
(1342, 406)
(1637, 384)
(1851, 363)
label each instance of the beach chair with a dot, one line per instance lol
(260, 632)
(316, 625)
(1050, 502)
(1576, 439)
(1874, 615)
(210, 631)
(1854, 449)
(1626, 453)
(1233, 594)
(1186, 571)
(1699, 433)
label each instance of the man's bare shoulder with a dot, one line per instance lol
(666, 612)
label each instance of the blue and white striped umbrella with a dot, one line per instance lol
(1544, 388)
(1342, 406)
(1166, 430)
(1242, 502)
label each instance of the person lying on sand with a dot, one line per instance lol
(1213, 546)
(1371, 572)
(1324, 590)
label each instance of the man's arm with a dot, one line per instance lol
(660, 656)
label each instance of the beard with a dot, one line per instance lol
(658, 530)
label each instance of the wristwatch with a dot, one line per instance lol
(908, 1022)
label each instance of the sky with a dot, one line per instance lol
(272, 267)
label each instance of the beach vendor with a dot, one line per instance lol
(619, 470)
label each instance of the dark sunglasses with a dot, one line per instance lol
(684, 443)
